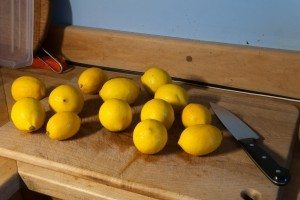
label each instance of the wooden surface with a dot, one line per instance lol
(42, 10)
(111, 159)
(9, 178)
(65, 186)
(255, 69)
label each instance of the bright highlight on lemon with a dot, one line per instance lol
(154, 78)
(150, 136)
(63, 125)
(195, 113)
(174, 94)
(66, 98)
(159, 110)
(200, 139)
(91, 80)
(120, 88)
(28, 114)
(28, 86)
(115, 115)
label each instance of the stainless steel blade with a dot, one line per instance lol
(236, 126)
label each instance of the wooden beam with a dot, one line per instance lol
(255, 69)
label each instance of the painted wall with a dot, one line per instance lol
(263, 23)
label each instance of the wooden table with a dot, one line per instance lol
(70, 186)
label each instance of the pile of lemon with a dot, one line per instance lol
(28, 113)
(149, 136)
(157, 115)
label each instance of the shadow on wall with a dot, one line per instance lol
(61, 15)
(62, 12)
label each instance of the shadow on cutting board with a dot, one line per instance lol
(91, 106)
(87, 128)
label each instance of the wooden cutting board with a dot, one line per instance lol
(111, 158)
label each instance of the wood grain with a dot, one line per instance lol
(63, 186)
(255, 69)
(9, 178)
(111, 159)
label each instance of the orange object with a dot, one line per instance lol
(45, 60)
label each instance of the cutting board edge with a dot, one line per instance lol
(98, 177)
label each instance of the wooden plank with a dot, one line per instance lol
(256, 69)
(63, 186)
(111, 159)
(9, 178)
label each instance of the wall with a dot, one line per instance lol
(263, 23)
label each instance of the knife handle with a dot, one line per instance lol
(277, 174)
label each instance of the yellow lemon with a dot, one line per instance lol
(66, 98)
(154, 78)
(28, 114)
(120, 88)
(174, 94)
(63, 125)
(115, 115)
(195, 113)
(200, 139)
(159, 110)
(150, 136)
(28, 86)
(91, 80)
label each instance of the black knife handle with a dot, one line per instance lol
(277, 174)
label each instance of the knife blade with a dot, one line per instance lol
(247, 138)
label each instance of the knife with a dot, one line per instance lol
(247, 138)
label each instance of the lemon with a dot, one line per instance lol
(28, 86)
(150, 136)
(174, 94)
(66, 98)
(195, 113)
(91, 80)
(115, 115)
(63, 125)
(28, 114)
(154, 78)
(120, 88)
(200, 139)
(159, 110)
